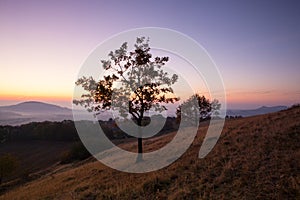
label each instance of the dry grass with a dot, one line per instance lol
(255, 158)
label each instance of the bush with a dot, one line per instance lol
(295, 106)
(76, 153)
(156, 185)
(8, 164)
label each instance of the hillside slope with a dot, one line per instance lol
(255, 158)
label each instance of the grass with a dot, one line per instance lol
(255, 158)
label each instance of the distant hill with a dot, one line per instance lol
(31, 111)
(34, 107)
(34, 111)
(252, 112)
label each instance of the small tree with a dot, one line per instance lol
(2, 135)
(203, 110)
(135, 82)
(8, 164)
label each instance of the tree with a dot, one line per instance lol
(203, 110)
(3, 135)
(8, 164)
(134, 83)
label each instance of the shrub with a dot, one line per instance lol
(8, 164)
(76, 153)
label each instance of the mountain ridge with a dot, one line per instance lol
(258, 111)
(33, 111)
(30, 106)
(36, 111)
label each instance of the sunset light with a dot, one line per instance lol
(41, 53)
(159, 99)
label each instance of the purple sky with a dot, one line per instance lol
(255, 44)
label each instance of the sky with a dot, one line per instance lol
(255, 44)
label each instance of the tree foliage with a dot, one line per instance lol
(203, 110)
(49, 131)
(134, 83)
(77, 152)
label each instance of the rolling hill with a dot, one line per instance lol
(252, 112)
(255, 158)
(35, 107)
(33, 111)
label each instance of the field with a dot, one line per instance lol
(255, 158)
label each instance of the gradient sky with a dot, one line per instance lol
(255, 44)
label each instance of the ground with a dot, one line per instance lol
(255, 158)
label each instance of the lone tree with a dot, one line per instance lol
(134, 83)
(202, 110)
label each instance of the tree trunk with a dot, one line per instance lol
(140, 143)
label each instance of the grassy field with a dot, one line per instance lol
(255, 158)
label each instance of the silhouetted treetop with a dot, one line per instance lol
(132, 77)
(203, 109)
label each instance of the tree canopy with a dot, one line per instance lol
(203, 110)
(134, 76)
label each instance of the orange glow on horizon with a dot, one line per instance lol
(232, 97)
(263, 98)
(8, 97)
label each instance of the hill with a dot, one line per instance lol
(35, 106)
(252, 112)
(255, 158)
(33, 111)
